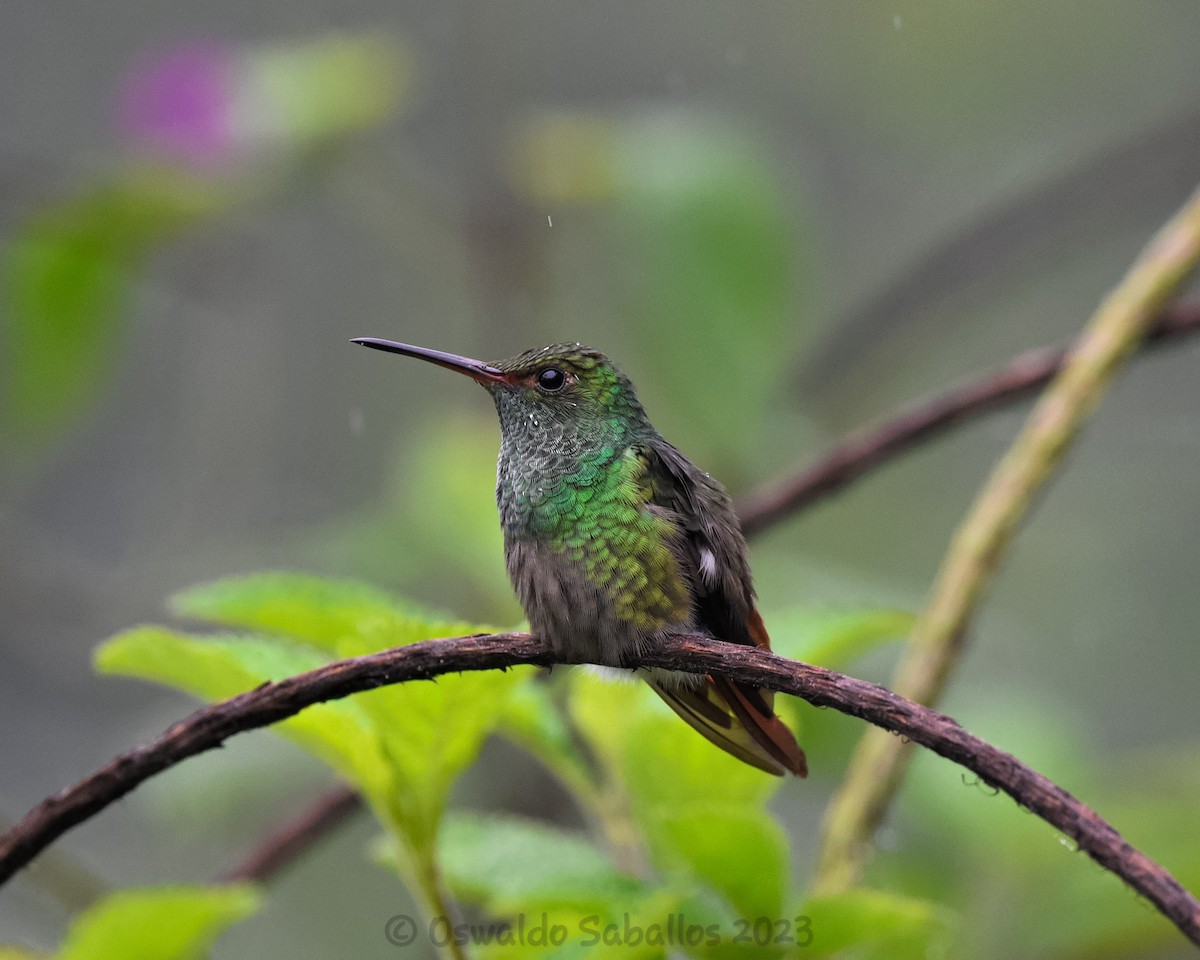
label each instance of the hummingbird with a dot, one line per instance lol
(612, 537)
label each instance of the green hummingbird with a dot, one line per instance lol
(613, 537)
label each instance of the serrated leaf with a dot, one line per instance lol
(431, 732)
(345, 617)
(340, 732)
(878, 924)
(681, 788)
(402, 745)
(159, 923)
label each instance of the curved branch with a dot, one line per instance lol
(268, 703)
(1020, 377)
(209, 727)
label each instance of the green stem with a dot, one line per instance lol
(428, 883)
(877, 768)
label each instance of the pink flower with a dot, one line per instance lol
(181, 103)
(213, 104)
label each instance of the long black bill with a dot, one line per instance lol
(475, 369)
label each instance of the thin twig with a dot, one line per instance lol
(281, 847)
(1121, 322)
(869, 448)
(1003, 245)
(210, 726)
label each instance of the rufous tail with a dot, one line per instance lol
(737, 719)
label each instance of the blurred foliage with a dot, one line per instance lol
(212, 105)
(216, 129)
(436, 513)
(66, 283)
(155, 923)
(713, 265)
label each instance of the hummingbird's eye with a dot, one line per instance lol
(551, 380)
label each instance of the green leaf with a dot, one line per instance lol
(599, 706)
(660, 760)
(507, 864)
(340, 732)
(739, 851)
(668, 765)
(403, 745)
(64, 285)
(878, 924)
(697, 807)
(345, 617)
(448, 474)
(532, 720)
(20, 953)
(430, 732)
(641, 928)
(536, 876)
(161, 923)
(547, 892)
(702, 210)
(835, 638)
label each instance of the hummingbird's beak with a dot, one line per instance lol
(475, 369)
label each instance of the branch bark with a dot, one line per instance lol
(871, 447)
(210, 726)
(278, 849)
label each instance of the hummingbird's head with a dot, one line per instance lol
(563, 394)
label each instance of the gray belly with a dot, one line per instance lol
(566, 610)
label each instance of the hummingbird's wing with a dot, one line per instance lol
(739, 718)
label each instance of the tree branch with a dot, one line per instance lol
(281, 847)
(210, 726)
(1021, 377)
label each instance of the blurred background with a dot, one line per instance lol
(782, 220)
